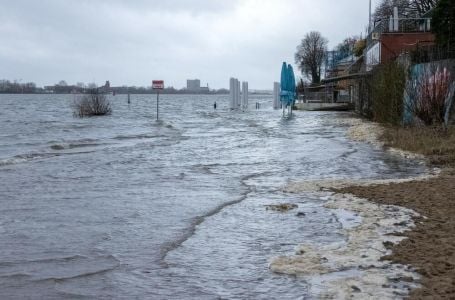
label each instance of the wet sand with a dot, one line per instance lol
(430, 246)
(427, 243)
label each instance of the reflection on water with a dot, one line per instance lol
(125, 206)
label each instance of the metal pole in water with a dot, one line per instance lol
(157, 104)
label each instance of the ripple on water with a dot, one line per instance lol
(59, 268)
(196, 181)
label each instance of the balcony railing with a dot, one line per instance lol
(400, 25)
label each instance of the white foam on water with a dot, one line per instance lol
(353, 268)
(365, 131)
(346, 218)
(12, 161)
(297, 187)
(370, 132)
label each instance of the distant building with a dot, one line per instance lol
(193, 85)
(106, 88)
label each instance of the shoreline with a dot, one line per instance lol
(393, 247)
(353, 268)
(429, 246)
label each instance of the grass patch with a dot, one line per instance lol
(437, 144)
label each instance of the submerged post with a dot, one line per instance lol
(276, 95)
(157, 105)
(231, 93)
(237, 95)
(157, 85)
(244, 95)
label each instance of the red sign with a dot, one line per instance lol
(157, 84)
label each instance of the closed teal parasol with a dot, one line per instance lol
(287, 95)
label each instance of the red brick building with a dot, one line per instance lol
(393, 44)
(390, 38)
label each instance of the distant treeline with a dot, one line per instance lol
(15, 87)
(8, 87)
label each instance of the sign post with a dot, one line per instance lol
(157, 85)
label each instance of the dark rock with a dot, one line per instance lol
(355, 289)
(388, 244)
(281, 207)
(404, 223)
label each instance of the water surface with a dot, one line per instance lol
(124, 206)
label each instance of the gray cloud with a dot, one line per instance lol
(133, 42)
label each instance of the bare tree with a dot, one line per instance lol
(347, 45)
(443, 25)
(423, 6)
(385, 9)
(406, 8)
(310, 55)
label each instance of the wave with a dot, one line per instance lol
(73, 146)
(59, 268)
(138, 136)
(11, 161)
(170, 246)
(25, 158)
(81, 275)
(22, 158)
(16, 276)
(43, 260)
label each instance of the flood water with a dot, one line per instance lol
(124, 207)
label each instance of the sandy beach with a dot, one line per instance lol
(404, 240)
(430, 246)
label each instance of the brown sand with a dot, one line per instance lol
(430, 246)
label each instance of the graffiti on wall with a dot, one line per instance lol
(429, 94)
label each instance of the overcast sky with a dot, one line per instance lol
(135, 41)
